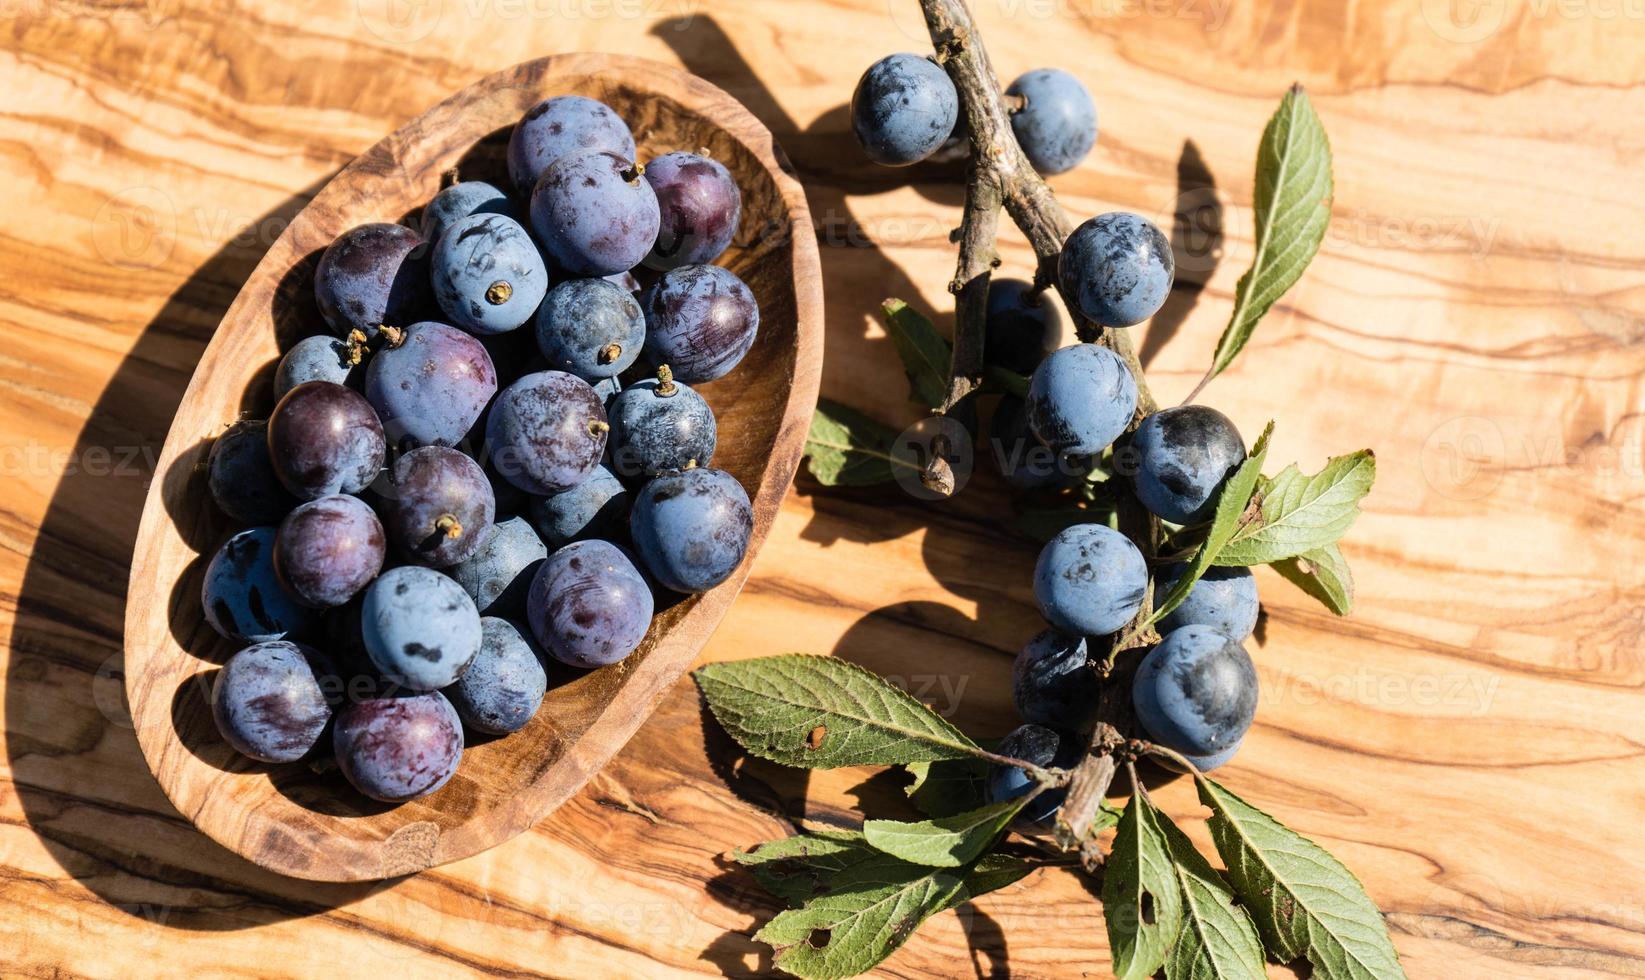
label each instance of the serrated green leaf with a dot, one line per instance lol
(1232, 502)
(846, 448)
(869, 910)
(1292, 205)
(1218, 941)
(1303, 901)
(942, 789)
(1141, 901)
(925, 353)
(1302, 513)
(800, 867)
(943, 842)
(1322, 573)
(824, 713)
(993, 872)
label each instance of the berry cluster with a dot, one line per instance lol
(1196, 691)
(449, 516)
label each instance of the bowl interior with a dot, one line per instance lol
(293, 818)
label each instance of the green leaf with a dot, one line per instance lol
(925, 354)
(824, 713)
(943, 842)
(1141, 900)
(870, 909)
(1108, 815)
(1304, 902)
(846, 448)
(1232, 502)
(1292, 203)
(800, 867)
(942, 789)
(866, 902)
(993, 872)
(1322, 573)
(1301, 513)
(1218, 941)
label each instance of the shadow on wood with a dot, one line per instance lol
(69, 734)
(1196, 246)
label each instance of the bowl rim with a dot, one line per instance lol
(418, 845)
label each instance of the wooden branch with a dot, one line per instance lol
(978, 260)
(1000, 176)
(995, 155)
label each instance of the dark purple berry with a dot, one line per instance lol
(1057, 123)
(658, 425)
(1118, 267)
(323, 439)
(489, 277)
(546, 432)
(1053, 684)
(589, 606)
(555, 127)
(430, 389)
(242, 478)
(699, 206)
(441, 508)
(317, 358)
(594, 508)
(1023, 326)
(461, 200)
(903, 110)
(395, 749)
(592, 328)
(372, 276)
(419, 627)
(594, 214)
(498, 575)
(700, 320)
(329, 549)
(270, 702)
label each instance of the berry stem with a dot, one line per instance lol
(1174, 758)
(450, 526)
(1000, 172)
(1042, 776)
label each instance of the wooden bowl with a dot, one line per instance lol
(292, 819)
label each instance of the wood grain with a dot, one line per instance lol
(1469, 742)
(292, 820)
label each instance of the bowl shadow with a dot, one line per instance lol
(80, 776)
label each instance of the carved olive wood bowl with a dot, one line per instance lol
(304, 821)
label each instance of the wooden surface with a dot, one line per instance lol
(1469, 742)
(291, 820)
